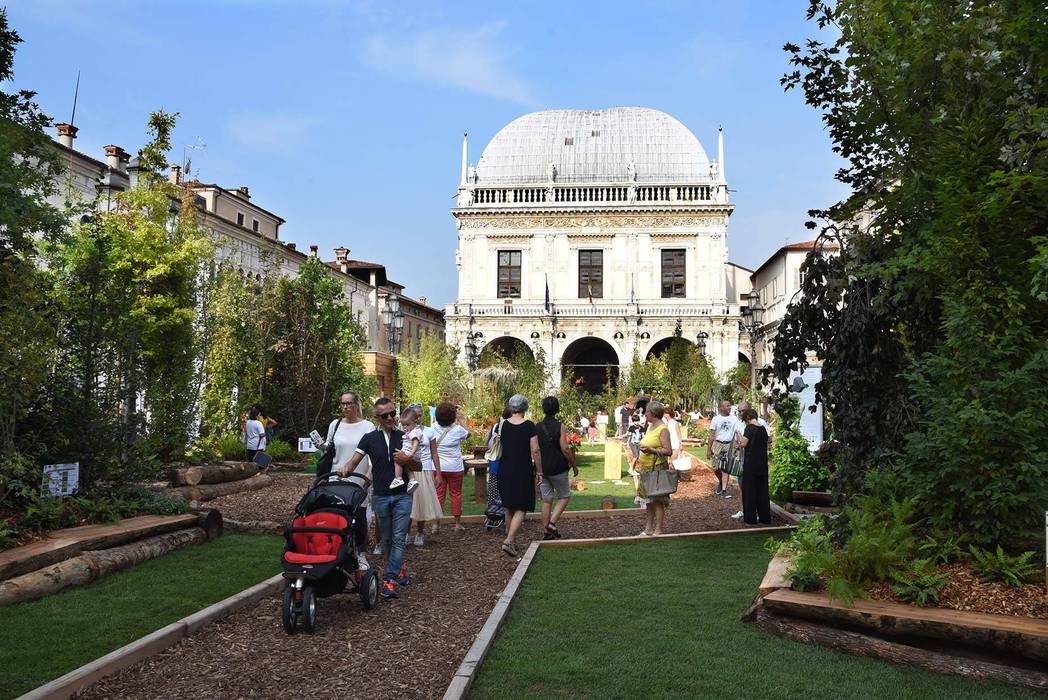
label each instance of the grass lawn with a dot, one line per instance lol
(47, 638)
(591, 468)
(584, 625)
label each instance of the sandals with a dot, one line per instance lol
(552, 533)
(510, 550)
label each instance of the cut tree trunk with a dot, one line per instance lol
(812, 498)
(1022, 636)
(211, 522)
(213, 473)
(66, 543)
(924, 659)
(94, 564)
(208, 492)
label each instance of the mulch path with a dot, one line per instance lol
(405, 648)
(966, 592)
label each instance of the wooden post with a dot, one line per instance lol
(480, 479)
(613, 458)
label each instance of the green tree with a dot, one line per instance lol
(794, 467)
(316, 349)
(939, 109)
(431, 373)
(29, 170)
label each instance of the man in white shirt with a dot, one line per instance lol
(724, 431)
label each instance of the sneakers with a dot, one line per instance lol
(362, 562)
(633, 472)
(725, 494)
(718, 491)
(412, 485)
(418, 540)
(378, 550)
(403, 579)
(389, 588)
(637, 500)
(397, 481)
(737, 516)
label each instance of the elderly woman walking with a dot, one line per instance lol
(520, 469)
(655, 449)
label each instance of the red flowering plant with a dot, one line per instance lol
(574, 441)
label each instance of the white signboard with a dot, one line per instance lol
(306, 445)
(811, 423)
(61, 479)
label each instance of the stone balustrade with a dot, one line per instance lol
(598, 195)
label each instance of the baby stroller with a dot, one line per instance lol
(494, 514)
(320, 557)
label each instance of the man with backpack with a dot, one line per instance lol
(557, 458)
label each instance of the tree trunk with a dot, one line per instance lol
(94, 564)
(208, 492)
(213, 473)
(212, 523)
(926, 660)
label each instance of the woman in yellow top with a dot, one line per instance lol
(655, 449)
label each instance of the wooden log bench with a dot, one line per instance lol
(65, 544)
(1022, 636)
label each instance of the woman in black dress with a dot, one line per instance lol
(755, 503)
(520, 469)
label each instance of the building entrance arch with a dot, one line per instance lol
(590, 362)
(661, 347)
(504, 347)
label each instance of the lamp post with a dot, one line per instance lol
(472, 352)
(753, 312)
(393, 318)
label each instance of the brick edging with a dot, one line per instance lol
(68, 685)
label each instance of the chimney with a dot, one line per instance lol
(313, 250)
(422, 300)
(116, 158)
(66, 134)
(341, 254)
(289, 246)
(176, 174)
(243, 192)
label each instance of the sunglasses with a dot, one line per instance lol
(349, 403)
(391, 414)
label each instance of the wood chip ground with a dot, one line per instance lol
(405, 648)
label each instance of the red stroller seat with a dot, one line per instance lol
(316, 547)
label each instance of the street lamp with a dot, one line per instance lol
(393, 318)
(753, 312)
(700, 339)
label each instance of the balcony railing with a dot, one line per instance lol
(598, 195)
(575, 310)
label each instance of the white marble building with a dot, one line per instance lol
(621, 215)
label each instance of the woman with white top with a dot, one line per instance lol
(345, 432)
(254, 433)
(425, 508)
(447, 438)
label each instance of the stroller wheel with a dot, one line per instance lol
(308, 609)
(369, 589)
(288, 615)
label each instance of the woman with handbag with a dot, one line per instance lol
(520, 469)
(657, 479)
(343, 435)
(756, 505)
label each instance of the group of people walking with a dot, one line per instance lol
(415, 468)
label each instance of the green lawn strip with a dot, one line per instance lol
(47, 638)
(662, 619)
(591, 468)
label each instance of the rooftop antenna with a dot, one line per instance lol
(197, 145)
(76, 94)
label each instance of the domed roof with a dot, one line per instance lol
(594, 146)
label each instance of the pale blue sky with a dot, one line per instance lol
(346, 118)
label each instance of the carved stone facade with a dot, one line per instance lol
(617, 218)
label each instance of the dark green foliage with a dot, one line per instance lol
(922, 584)
(932, 323)
(941, 548)
(230, 447)
(997, 565)
(811, 555)
(793, 466)
(45, 513)
(280, 450)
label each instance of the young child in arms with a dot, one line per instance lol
(409, 420)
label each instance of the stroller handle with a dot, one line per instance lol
(335, 475)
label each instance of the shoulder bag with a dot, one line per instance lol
(494, 451)
(660, 481)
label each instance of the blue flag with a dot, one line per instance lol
(547, 295)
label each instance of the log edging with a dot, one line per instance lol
(71, 683)
(458, 688)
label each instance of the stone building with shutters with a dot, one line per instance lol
(594, 235)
